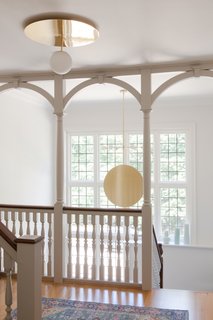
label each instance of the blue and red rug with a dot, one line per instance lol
(60, 309)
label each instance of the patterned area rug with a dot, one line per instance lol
(60, 309)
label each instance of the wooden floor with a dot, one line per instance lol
(199, 304)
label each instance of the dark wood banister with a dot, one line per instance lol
(18, 206)
(102, 209)
(8, 236)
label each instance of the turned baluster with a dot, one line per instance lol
(101, 273)
(110, 248)
(119, 263)
(78, 246)
(85, 237)
(43, 256)
(8, 265)
(50, 244)
(69, 246)
(135, 272)
(95, 261)
(127, 229)
(28, 214)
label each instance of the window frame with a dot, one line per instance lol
(189, 184)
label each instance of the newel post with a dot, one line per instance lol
(147, 233)
(29, 277)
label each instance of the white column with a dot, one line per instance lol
(29, 277)
(58, 208)
(147, 233)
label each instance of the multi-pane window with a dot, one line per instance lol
(172, 157)
(173, 211)
(135, 152)
(82, 163)
(90, 157)
(82, 196)
(172, 186)
(110, 153)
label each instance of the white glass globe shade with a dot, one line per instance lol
(61, 62)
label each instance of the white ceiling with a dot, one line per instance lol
(132, 32)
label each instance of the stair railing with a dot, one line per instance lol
(7, 242)
(26, 251)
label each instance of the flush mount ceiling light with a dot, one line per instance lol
(62, 33)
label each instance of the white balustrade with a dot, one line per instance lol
(35, 222)
(103, 245)
(99, 245)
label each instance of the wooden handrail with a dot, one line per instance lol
(8, 236)
(18, 206)
(102, 209)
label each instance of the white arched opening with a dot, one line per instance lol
(194, 110)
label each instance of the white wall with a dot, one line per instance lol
(103, 115)
(189, 268)
(26, 148)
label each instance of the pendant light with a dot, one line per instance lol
(62, 32)
(123, 184)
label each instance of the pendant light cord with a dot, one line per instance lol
(62, 36)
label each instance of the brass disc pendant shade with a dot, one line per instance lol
(62, 32)
(123, 185)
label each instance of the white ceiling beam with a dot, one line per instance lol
(110, 72)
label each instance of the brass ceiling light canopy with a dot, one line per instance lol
(62, 33)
